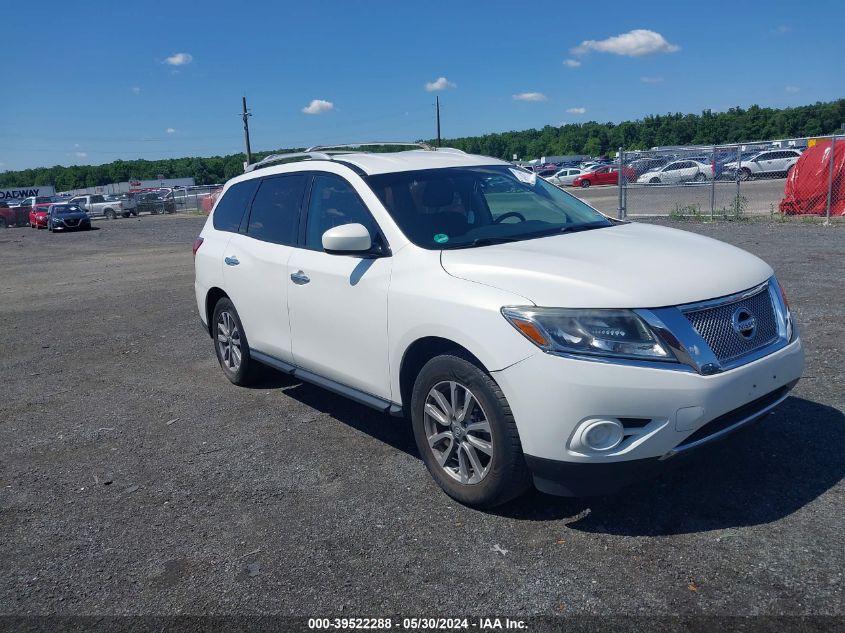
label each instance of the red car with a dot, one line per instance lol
(608, 175)
(38, 215)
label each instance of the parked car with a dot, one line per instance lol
(28, 203)
(565, 176)
(776, 162)
(67, 216)
(678, 172)
(602, 175)
(414, 286)
(97, 205)
(127, 201)
(12, 216)
(155, 203)
(38, 215)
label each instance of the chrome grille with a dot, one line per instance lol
(715, 327)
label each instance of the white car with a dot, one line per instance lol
(565, 176)
(526, 336)
(775, 162)
(677, 172)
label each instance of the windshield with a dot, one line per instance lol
(473, 206)
(66, 208)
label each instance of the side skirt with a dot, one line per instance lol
(362, 397)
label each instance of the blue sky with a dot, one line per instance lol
(92, 82)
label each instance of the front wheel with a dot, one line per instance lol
(585, 184)
(465, 432)
(231, 344)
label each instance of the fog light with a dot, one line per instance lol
(602, 435)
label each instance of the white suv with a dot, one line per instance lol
(525, 335)
(775, 162)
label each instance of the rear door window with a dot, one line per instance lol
(230, 209)
(274, 216)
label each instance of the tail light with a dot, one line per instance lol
(197, 243)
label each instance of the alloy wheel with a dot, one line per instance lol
(458, 432)
(229, 341)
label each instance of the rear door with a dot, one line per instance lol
(338, 303)
(255, 263)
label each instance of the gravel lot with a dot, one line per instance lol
(135, 479)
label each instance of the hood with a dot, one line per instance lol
(623, 266)
(75, 215)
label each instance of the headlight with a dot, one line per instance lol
(614, 333)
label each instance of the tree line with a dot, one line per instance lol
(592, 138)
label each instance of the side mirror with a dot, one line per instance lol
(347, 239)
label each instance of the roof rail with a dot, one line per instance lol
(278, 158)
(451, 150)
(326, 152)
(419, 144)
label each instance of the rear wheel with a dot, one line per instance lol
(3, 223)
(465, 432)
(745, 174)
(699, 177)
(654, 181)
(231, 344)
(110, 214)
(585, 184)
(126, 214)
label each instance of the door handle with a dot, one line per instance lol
(299, 278)
(232, 261)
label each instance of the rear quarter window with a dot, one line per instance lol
(231, 207)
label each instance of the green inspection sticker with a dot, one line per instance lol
(441, 238)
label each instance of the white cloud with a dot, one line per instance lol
(793, 89)
(441, 83)
(576, 110)
(76, 145)
(170, 130)
(651, 80)
(781, 30)
(81, 155)
(318, 106)
(631, 44)
(136, 90)
(572, 63)
(179, 59)
(529, 96)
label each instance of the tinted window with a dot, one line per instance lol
(333, 203)
(274, 216)
(230, 209)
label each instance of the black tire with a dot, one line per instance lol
(745, 174)
(507, 476)
(247, 370)
(654, 181)
(2, 223)
(126, 214)
(699, 177)
(109, 214)
(50, 227)
(585, 184)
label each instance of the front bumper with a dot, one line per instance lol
(665, 410)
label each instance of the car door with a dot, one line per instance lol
(255, 263)
(601, 176)
(686, 171)
(766, 163)
(338, 303)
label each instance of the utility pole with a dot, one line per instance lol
(437, 101)
(246, 115)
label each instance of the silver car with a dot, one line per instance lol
(565, 176)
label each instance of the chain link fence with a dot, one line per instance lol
(795, 177)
